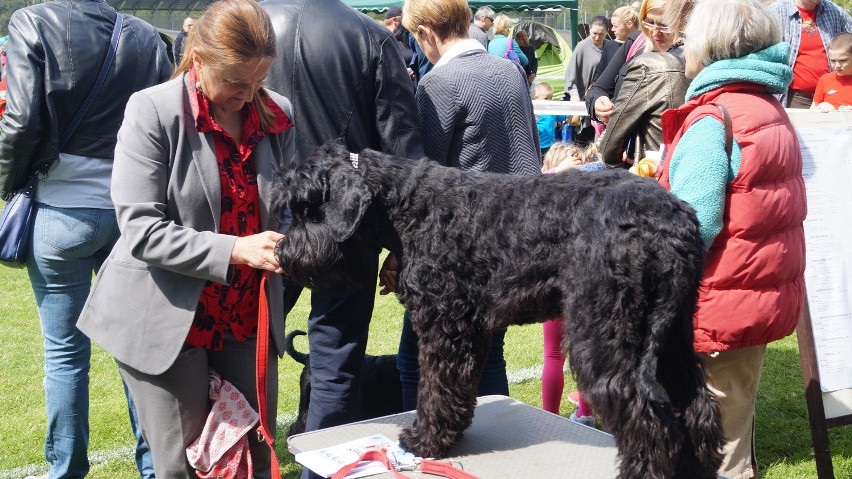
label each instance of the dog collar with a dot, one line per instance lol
(353, 158)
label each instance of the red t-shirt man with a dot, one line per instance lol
(811, 62)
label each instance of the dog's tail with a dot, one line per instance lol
(300, 357)
(670, 366)
(672, 377)
(631, 342)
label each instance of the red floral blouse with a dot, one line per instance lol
(234, 305)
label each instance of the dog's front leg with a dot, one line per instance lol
(451, 362)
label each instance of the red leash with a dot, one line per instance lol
(426, 466)
(261, 363)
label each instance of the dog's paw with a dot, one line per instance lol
(408, 441)
(414, 441)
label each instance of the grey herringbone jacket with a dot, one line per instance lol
(476, 114)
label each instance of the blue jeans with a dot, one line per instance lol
(68, 245)
(492, 381)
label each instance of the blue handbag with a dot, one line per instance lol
(510, 53)
(15, 225)
(16, 222)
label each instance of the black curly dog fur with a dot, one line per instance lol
(381, 391)
(615, 255)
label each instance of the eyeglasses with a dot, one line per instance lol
(660, 27)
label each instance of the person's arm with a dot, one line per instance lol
(22, 126)
(845, 19)
(258, 250)
(699, 173)
(819, 102)
(177, 48)
(533, 61)
(628, 115)
(436, 106)
(604, 85)
(396, 108)
(523, 56)
(166, 68)
(609, 49)
(570, 77)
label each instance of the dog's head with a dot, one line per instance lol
(327, 196)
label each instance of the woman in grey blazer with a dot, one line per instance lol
(194, 170)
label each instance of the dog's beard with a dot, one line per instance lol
(309, 257)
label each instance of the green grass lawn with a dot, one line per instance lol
(783, 435)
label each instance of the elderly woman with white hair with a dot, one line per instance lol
(731, 153)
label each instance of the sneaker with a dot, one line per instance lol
(574, 398)
(584, 420)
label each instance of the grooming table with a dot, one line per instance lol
(508, 439)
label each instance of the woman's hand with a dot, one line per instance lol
(257, 251)
(603, 109)
(387, 275)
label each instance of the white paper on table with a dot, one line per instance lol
(327, 461)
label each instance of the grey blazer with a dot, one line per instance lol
(166, 190)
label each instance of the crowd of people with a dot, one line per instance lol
(164, 188)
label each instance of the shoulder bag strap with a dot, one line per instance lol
(729, 129)
(113, 46)
(508, 46)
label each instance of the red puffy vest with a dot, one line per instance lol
(753, 288)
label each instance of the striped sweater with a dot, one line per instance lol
(476, 114)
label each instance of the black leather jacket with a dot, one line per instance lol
(344, 74)
(654, 83)
(55, 52)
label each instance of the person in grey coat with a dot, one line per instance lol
(181, 292)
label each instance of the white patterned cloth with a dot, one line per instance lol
(222, 450)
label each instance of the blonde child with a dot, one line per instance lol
(563, 155)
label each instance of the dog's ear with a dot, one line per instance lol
(349, 198)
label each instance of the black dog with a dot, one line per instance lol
(381, 391)
(616, 255)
